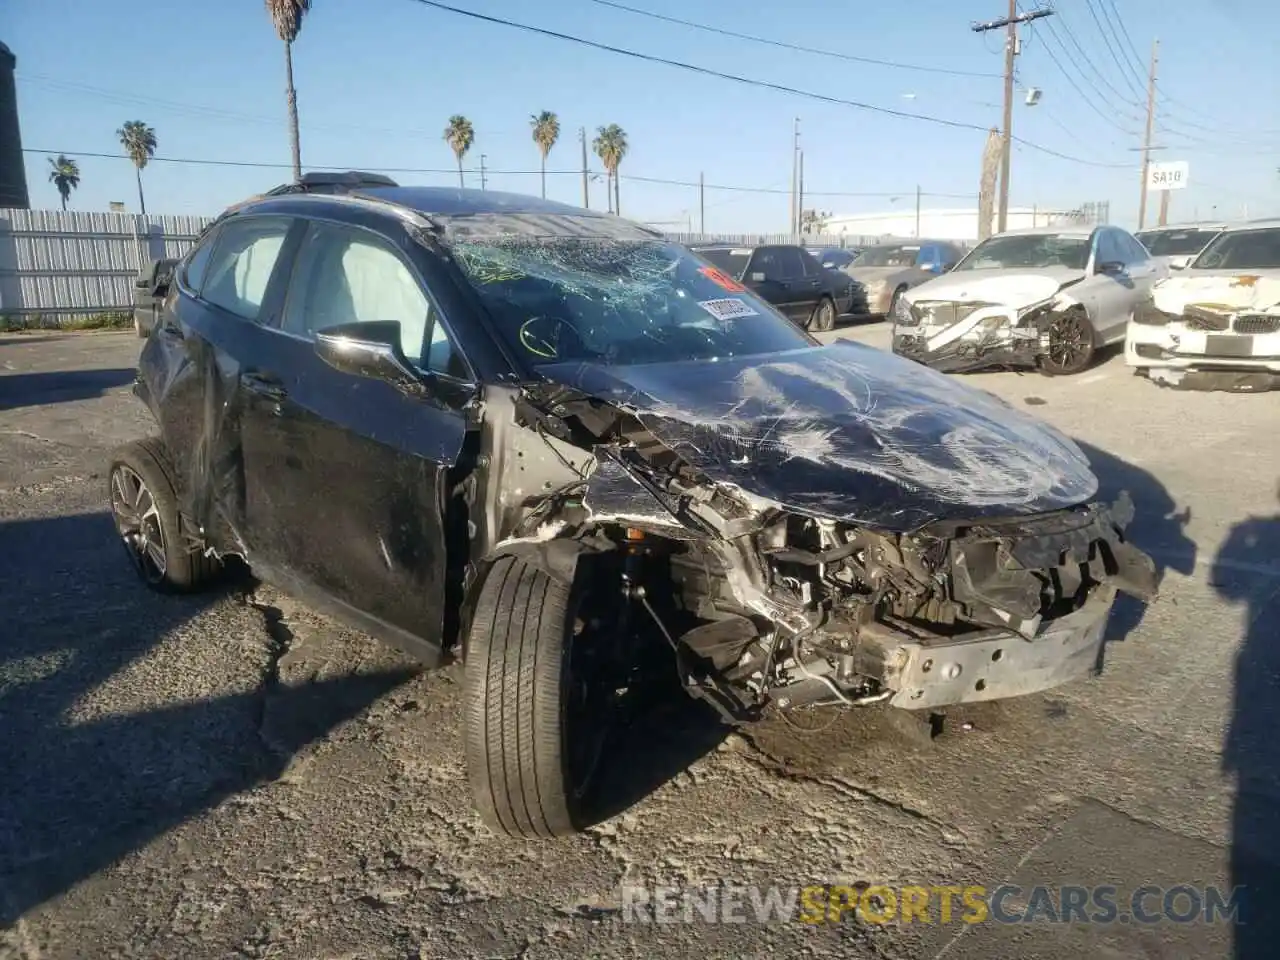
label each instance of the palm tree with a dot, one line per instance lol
(65, 175)
(460, 136)
(546, 131)
(287, 16)
(610, 146)
(139, 142)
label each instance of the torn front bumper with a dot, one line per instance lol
(1176, 355)
(983, 337)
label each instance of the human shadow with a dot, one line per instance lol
(61, 386)
(121, 717)
(1245, 572)
(1158, 528)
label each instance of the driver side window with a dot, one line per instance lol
(347, 275)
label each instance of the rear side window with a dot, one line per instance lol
(238, 272)
(198, 262)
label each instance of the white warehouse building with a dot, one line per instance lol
(944, 224)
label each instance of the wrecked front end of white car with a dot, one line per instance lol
(826, 527)
(1011, 322)
(1209, 332)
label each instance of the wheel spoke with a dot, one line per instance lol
(155, 552)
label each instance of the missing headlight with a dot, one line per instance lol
(1149, 315)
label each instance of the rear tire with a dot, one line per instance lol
(522, 741)
(164, 551)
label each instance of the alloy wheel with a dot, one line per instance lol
(137, 519)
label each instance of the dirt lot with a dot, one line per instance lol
(233, 776)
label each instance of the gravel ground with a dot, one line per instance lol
(232, 775)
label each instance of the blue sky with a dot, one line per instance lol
(378, 79)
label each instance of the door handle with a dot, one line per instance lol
(264, 386)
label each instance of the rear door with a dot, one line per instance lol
(1102, 293)
(777, 275)
(228, 289)
(351, 474)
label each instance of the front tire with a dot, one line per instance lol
(149, 522)
(893, 302)
(531, 758)
(823, 317)
(1072, 345)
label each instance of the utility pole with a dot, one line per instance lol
(795, 175)
(702, 205)
(917, 211)
(1164, 206)
(586, 193)
(483, 181)
(1146, 143)
(1010, 23)
(800, 222)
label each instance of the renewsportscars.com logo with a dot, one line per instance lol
(936, 904)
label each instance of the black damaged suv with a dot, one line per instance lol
(553, 443)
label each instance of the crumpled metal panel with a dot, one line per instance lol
(851, 433)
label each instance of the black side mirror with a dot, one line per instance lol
(1111, 267)
(370, 350)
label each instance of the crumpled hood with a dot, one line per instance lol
(1013, 288)
(1257, 291)
(848, 432)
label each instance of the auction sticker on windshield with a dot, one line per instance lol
(728, 308)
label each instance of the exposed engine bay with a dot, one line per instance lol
(772, 603)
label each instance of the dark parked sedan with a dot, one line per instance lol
(791, 279)
(561, 447)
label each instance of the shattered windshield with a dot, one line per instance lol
(1241, 250)
(617, 301)
(1175, 243)
(1034, 250)
(896, 256)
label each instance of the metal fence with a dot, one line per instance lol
(61, 263)
(58, 264)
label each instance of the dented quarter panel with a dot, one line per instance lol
(849, 433)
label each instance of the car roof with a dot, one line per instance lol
(1190, 225)
(1084, 230)
(1266, 223)
(460, 213)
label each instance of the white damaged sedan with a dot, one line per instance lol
(1216, 324)
(1048, 297)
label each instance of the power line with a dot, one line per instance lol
(792, 46)
(1106, 39)
(1118, 53)
(270, 165)
(764, 84)
(1088, 100)
(1083, 56)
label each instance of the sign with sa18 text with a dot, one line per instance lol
(1167, 176)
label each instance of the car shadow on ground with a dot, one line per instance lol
(666, 732)
(1158, 527)
(94, 768)
(1245, 573)
(61, 386)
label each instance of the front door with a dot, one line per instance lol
(352, 472)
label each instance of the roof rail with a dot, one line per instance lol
(326, 181)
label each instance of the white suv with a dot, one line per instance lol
(1216, 324)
